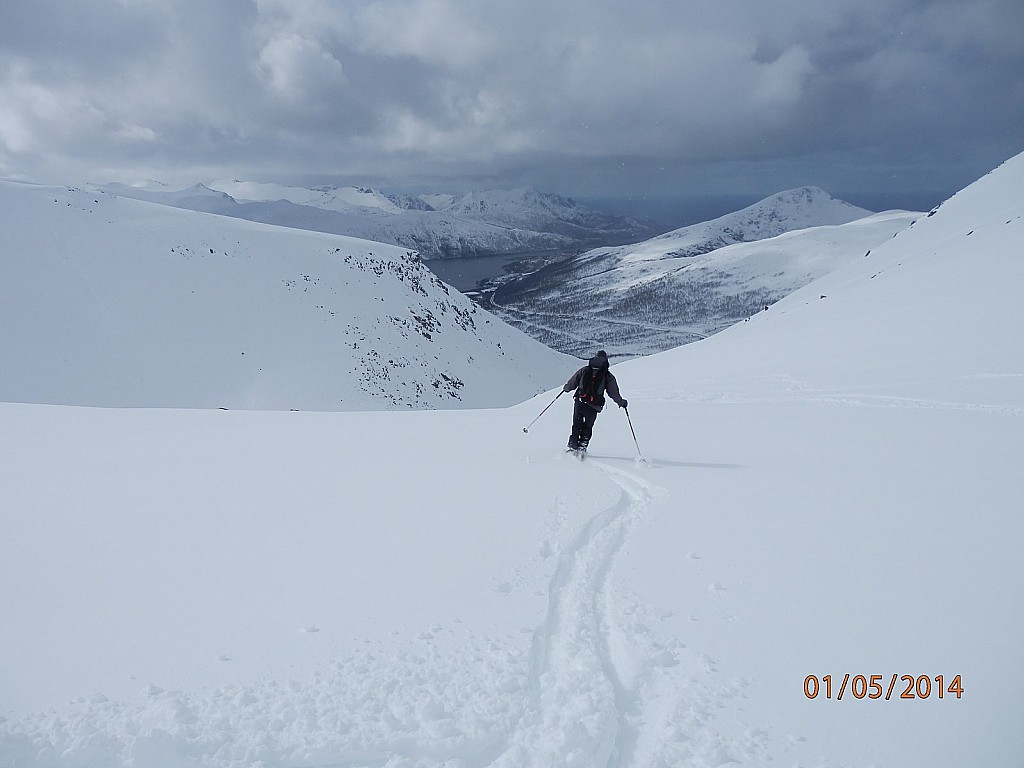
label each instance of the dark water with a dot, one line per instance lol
(467, 274)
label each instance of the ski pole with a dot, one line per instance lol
(527, 427)
(638, 453)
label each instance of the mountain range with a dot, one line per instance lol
(479, 223)
(692, 282)
(632, 299)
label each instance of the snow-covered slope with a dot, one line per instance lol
(782, 212)
(435, 226)
(438, 201)
(832, 489)
(874, 526)
(195, 197)
(694, 282)
(343, 199)
(108, 301)
(932, 306)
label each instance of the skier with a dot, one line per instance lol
(590, 382)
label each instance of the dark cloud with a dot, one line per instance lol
(88, 42)
(592, 99)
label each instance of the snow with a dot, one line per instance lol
(433, 234)
(672, 290)
(779, 264)
(116, 302)
(524, 207)
(783, 212)
(342, 199)
(498, 222)
(438, 201)
(831, 488)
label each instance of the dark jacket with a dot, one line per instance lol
(611, 387)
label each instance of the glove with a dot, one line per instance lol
(624, 403)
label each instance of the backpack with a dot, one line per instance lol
(592, 383)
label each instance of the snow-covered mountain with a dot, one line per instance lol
(832, 489)
(782, 212)
(195, 196)
(526, 208)
(344, 199)
(110, 301)
(693, 282)
(437, 201)
(436, 226)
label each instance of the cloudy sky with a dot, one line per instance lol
(647, 100)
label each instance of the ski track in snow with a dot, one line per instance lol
(578, 701)
(603, 691)
(595, 688)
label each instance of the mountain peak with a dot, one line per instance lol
(776, 214)
(810, 196)
(515, 202)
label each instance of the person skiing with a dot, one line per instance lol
(591, 383)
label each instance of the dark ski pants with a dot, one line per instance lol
(583, 418)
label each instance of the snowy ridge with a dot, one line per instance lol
(121, 303)
(157, 192)
(344, 199)
(436, 226)
(782, 212)
(527, 208)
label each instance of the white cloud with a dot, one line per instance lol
(781, 82)
(297, 66)
(435, 32)
(136, 133)
(35, 115)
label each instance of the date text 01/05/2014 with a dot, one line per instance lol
(871, 687)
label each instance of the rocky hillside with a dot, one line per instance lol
(115, 302)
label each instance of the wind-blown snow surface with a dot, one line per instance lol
(108, 301)
(832, 488)
(692, 282)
